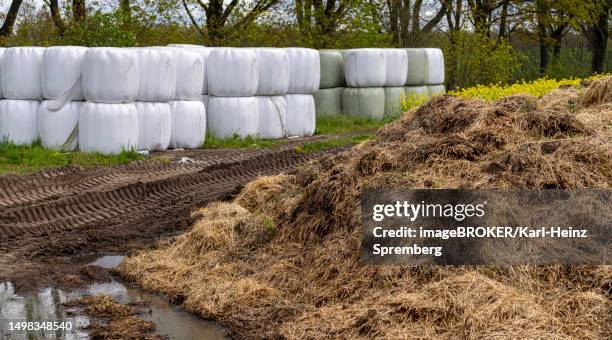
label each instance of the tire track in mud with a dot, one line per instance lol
(129, 196)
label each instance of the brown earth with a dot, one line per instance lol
(50, 218)
(282, 260)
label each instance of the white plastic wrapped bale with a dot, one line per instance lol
(272, 117)
(417, 66)
(273, 67)
(435, 61)
(365, 67)
(188, 124)
(189, 74)
(157, 74)
(2, 52)
(304, 70)
(435, 90)
(204, 100)
(396, 60)
(59, 129)
(108, 128)
(61, 71)
(301, 115)
(367, 102)
(332, 69)
(417, 92)
(19, 121)
(393, 100)
(204, 52)
(110, 75)
(154, 125)
(232, 72)
(328, 102)
(229, 116)
(21, 73)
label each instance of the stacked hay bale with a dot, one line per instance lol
(233, 78)
(304, 80)
(425, 72)
(187, 109)
(20, 78)
(272, 86)
(328, 100)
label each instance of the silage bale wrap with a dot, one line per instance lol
(2, 52)
(328, 102)
(229, 116)
(232, 72)
(417, 92)
(204, 52)
(366, 102)
(273, 67)
(435, 61)
(393, 100)
(61, 71)
(301, 115)
(365, 67)
(21, 72)
(332, 69)
(188, 124)
(396, 60)
(59, 128)
(19, 121)
(189, 74)
(154, 125)
(272, 117)
(108, 128)
(304, 70)
(417, 66)
(435, 90)
(204, 99)
(110, 75)
(157, 74)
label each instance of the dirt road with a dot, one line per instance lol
(48, 219)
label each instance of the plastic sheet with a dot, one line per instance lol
(272, 117)
(204, 52)
(189, 74)
(367, 102)
(204, 99)
(154, 125)
(19, 120)
(365, 67)
(332, 69)
(393, 100)
(21, 72)
(436, 90)
(304, 70)
(417, 66)
(2, 52)
(110, 75)
(61, 70)
(301, 115)
(328, 102)
(157, 74)
(396, 60)
(232, 72)
(108, 128)
(273, 66)
(435, 61)
(59, 129)
(188, 124)
(229, 116)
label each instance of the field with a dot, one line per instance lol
(261, 236)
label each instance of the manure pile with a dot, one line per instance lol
(282, 260)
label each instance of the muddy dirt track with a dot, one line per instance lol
(49, 218)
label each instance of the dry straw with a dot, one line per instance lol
(283, 259)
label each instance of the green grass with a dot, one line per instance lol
(236, 142)
(331, 143)
(29, 158)
(346, 124)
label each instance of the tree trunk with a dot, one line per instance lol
(78, 10)
(405, 23)
(56, 16)
(544, 57)
(598, 36)
(394, 13)
(11, 16)
(126, 11)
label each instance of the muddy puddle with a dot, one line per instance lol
(48, 305)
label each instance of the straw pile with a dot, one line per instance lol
(282, 260)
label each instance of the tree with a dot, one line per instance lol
(11, 16)
(406, 22)
(597, 32)
(217, 23)
(78, 13)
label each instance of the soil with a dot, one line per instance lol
(51, 218)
